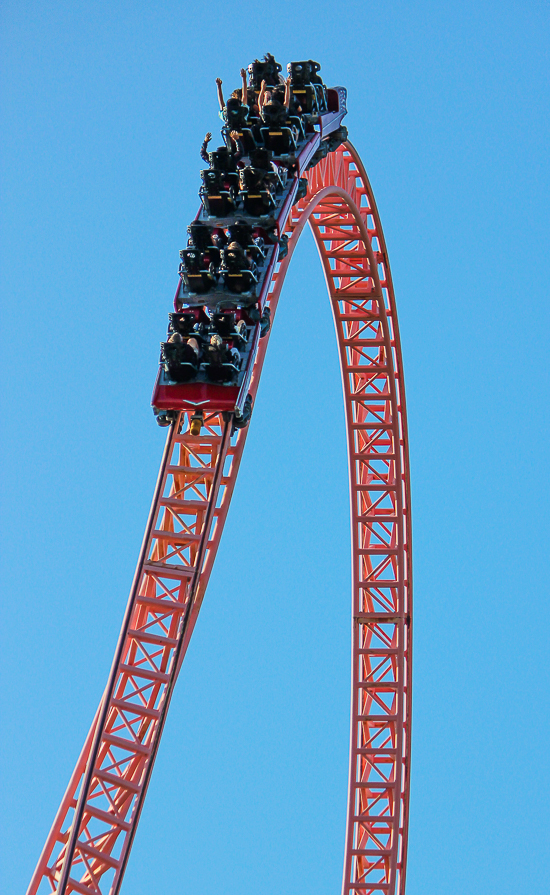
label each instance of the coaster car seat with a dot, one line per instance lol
(224, 324)
(308, 86)
(217, 194)
(179, 360)
(277, 136)
(257, 192)
(200, 235)
(236, 114)
(279, 139)
(241, 232)
(311, 100)
(267, 70)
(245, 135)
(197, 276)
(183, 323)
(221, 372)
(201, 240)
(239, 274)
(219, 366)
(260, 160)
(240, 281)
(304, 72)
(255, 123)
(222, 160)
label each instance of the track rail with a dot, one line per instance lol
(89, 844)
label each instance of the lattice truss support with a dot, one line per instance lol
(349, 237)
(88, 846)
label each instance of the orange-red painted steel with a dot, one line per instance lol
(88, 846)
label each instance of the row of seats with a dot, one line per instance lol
(184, 358)
(307, 86)
(230, 255)
(280, 135)
(213, 344)
(226, 187)
(228, 324)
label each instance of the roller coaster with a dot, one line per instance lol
(285, 162)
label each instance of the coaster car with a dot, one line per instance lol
(225, 324)
(218, 379)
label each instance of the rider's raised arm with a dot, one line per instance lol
(204, 148)
(261, 96)
(287, 93)
(244, 95)
(220, 94)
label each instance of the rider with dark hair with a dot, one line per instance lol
(274, 108)
(204, 148)
(220, 160)
(267, 70)
(235, 257)
(235, 112)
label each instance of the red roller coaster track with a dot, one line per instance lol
(88, 846)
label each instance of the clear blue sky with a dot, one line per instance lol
(104, 108)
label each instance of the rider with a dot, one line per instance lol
(237, 94)
(218, 354)
(273, 111)
(235, 112)
(189, 349)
